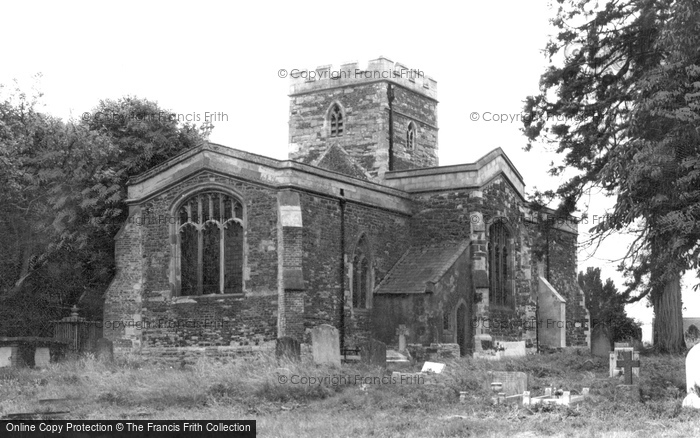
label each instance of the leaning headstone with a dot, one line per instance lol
(374, 353)
(105, 350)
(6, 356)
(42, 357)
(600, 341)
(325, 345)
(288, 348)
(692, 378)
(512, 382)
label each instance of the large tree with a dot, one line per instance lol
(629, 90)
(64, 198)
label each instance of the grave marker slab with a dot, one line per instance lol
(615, 369)
(402, 332)
(433, 367)
(42, 357)
(514, 349)
(513, 382)
(600, 341)
(374, 353)
(626, 362)
(692, 378)
(325, 345)
(105, 350)
(288, 348)
(6, 356)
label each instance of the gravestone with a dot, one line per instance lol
(42, 357)
(692, 378)
(6, 356)
(626, 362)
(600, 341)
(615, 369)
(433, 367)
(513, 382)
(288, 348)
(514, 349)
(325, 345)
(105, 350)
(402, 332)
(374, 353)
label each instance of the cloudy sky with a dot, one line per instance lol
(225, 58)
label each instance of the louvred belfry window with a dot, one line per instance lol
(210, 238)
(336, 121)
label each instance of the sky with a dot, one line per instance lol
(224, 59)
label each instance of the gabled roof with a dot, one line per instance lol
(420, 268)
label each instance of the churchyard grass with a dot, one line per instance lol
(130, 389)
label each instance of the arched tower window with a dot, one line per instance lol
(210, 244)
(411, 137)
(336, 121)
(499, 267)
(361, 276)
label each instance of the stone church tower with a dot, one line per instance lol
(364, 122)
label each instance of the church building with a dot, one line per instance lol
(225, 251)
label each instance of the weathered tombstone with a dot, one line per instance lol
(42, 357)
(692, 378)
(514, 349)
(105, 350)
(325, 345)
(600, 341)
(288, 348)
(374, 353)
(513, 382)
(6, 356)
(402, 332)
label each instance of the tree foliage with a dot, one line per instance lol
(629, 90)
(64, 197)
(607, 305)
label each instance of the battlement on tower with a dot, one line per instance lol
(380, 69)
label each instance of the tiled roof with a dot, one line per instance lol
(420, 268)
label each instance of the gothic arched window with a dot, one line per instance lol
(411, 137)
(336, 121)
(210, 244)
(499, 268)
(361, 276)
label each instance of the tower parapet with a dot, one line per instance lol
(380, 69)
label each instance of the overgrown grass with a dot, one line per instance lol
(335, 407)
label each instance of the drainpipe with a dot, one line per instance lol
(390, 98)
(341, 276)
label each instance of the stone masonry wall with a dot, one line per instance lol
(366, 126)
(408, 107)
(386, 235)
(447, 216)
(562, 275)
(122, 310)
(211, 320)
